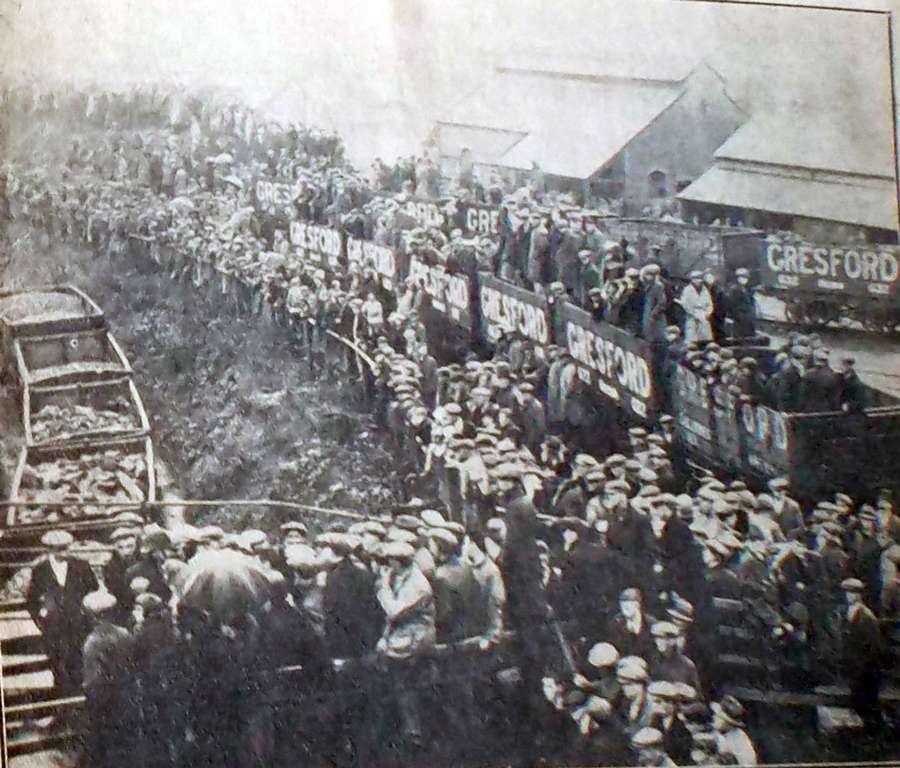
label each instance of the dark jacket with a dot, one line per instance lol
(854, 398)
(521, 567)
(783, 390)
(820, 390)
(63, 603)
(354, 620)
(741, 309)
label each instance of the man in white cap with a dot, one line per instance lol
(58, 586)
(740, 304)
(862, 650)
(697, 304)
(105, 665)
(407, 599)
(124, 555)
(731, 735)
(648, 743)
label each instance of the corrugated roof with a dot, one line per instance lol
(864, 202)
(821, 141)
(574, 126)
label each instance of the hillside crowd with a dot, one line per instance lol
(550, 588)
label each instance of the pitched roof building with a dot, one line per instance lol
(823, 179)
(636, 136)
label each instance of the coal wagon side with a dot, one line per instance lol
(681, 247)
(83, 411)
(821, 283)
(44, 311)
(69, 357)
(120, 473)
(819, 453)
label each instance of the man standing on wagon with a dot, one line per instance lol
(740, 304)
(697, 304)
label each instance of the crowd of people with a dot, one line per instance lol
(578, 578)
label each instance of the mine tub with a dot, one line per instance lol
(116, 395)
(59, 512)
(68, 358)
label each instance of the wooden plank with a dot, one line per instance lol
(42, 759)
(27, 681)
(780, 698)
(35, 742)
(832, 720)
(727, 604)
(737, 632)
(47, 707)
(14, 663)
(16, 625)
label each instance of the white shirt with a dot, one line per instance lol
(735, 741)
(60, 570)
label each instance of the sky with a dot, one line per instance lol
(381, 71)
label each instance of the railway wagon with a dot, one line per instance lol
(824, 282)
(818, 452)
(82, 412)
(44, 311)
(114, 472)
(69, 357)
(685, 247)
(49, 309)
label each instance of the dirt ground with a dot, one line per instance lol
(232, 408)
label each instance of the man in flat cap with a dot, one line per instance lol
(58, 586)
(669, 663)
(105, 666)
(353, 618)
(407, 599)
(862, 653)
(633, 705)
(527, 608)
(820, 387)
(697, 304)
(740, 304)
(731, 733)
(648, 744)
(783, 386)
(124, 555)
(854, 397)
(153, 543)
(655, 303)
(664, 702)
(529, 414)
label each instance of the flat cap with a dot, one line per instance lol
(647, 737)
(852, 585)
(603, 655)
(663, 689)
(664, 629)
(300, 556)
(98, 602)
(293, 525)
(632, 669)
(57, 539)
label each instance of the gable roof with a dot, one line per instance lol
(859, 200)
(571, 124)
(818, 142)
